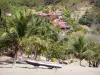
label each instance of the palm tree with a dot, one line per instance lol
(88, 54)
(16, 29)
(21, 26)
(36, 45)
(79, 47)
(96, 55)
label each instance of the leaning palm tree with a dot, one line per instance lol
(21, 25)
(16, 29)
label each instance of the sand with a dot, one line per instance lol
(70, 69)
(20, 69)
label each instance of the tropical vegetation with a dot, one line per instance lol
(48, 30)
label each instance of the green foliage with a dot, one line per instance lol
(98, 16)
(48, 2)
(79, 44)
(77, 28)
(35, 34)
(88, 54)
(53, 59)
(15, 29)
(79, 47)
(60, 50)
(97, 3)
(85, 21)
(67, 14)
(4, 5)
(34, 45)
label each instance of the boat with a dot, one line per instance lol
(47, 64)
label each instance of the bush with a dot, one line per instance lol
(98, 18)
(97, 3)
(71, 61)
(85, 21)
(77, 28)
(67, 14)
(53, 59)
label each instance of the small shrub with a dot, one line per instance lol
(77, 28)
(71, 61)
(53, 59)
(67, 14)
(85, 21)
(97, 4)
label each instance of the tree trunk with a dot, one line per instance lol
(35, 55)
(93, 64)
(80, 62)
(97, 64)
(28, 56)
(16, 48)
(89, 63)
(15, 58)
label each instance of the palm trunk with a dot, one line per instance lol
(35, 55)
(97, 63)
(28, 56)
(16, 48)
(80, 62)
(93, 64)
(15, 58)
(89, 63)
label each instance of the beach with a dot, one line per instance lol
(25, 69)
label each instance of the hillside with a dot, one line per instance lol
(55, 29)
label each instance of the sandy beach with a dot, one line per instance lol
(24, 69)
